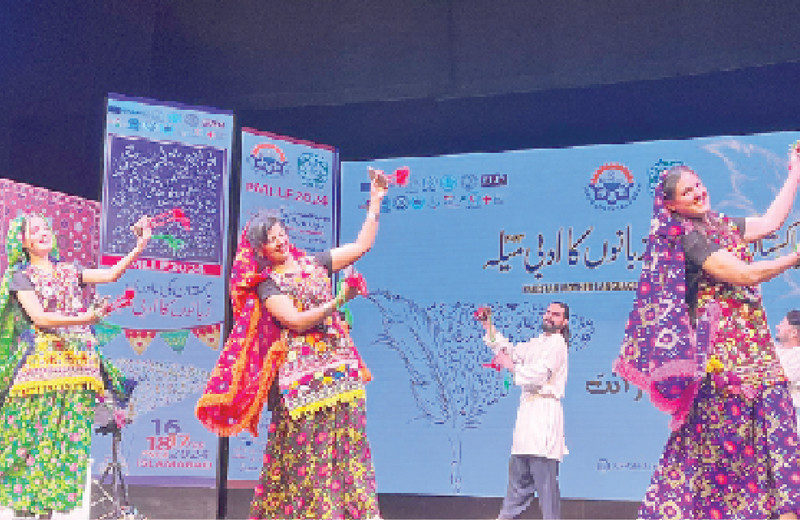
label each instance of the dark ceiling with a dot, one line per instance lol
(379, 78)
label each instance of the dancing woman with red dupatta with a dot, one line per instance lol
(290, 346)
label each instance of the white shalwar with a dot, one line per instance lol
(540, 368)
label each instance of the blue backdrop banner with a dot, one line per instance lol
(516, 231)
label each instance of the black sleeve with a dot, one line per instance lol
(20, 282)
(267, 288)
(325, 260)
(740, 225)
(697, 247)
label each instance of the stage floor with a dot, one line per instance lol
(192, 502)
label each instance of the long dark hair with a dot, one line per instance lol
(258, 227)
(793, 318)
(565, 330)
(671, 179)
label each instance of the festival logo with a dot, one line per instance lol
(654, 174)
(471, 201)
(213, 123)
(313, 170)
(156, 116)
(412, 185)
(612, 187)
(429, 183)
(401, 202)
(448, 183)
(469, 182)
(492, 180)
(269, 160)
(115, 109)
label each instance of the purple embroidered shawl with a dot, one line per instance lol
(660, 351)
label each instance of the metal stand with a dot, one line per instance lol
(117, 492)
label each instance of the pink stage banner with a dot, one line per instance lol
(76, 221)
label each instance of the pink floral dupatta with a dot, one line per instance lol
(240, 382)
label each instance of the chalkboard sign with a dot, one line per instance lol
(148, 177)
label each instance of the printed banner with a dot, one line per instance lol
(516, 231)
(172, 163)
(298, 181)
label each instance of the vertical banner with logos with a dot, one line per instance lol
(516, 231)
(298, 181)
(172, 162)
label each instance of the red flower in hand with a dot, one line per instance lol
(125, 300)
(482, 313)
(357, 281)
(401, 175)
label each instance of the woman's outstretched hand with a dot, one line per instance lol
(379, 184)
(143, 230)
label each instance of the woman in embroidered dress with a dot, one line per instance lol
(50, 370)
(698, 342)
(317, 462)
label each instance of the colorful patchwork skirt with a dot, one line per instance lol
(318, 466)
(735, 457)
(44, 448)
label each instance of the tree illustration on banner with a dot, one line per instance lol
(442, 349)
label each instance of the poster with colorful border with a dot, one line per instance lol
(298, 181)
(171, 160)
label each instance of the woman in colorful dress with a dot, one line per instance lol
(698, 342)
(289, 340)
(50, 370)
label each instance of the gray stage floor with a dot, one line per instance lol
(193, 503)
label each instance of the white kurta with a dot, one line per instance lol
(790, 361)
(540, 368)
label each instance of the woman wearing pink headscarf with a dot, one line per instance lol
(290, 346)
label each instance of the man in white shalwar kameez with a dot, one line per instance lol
(788, 335)
(540, 368)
